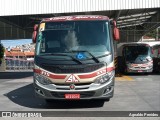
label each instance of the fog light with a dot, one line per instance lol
(39, 91)
(107, 90)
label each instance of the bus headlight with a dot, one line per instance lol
(105, 78)
(150, 65)
(149, 58)
(41, 79)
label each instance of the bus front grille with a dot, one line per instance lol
(72, 68)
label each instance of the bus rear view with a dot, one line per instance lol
(74, 58)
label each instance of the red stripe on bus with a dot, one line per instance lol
(90, 75)
(37, 70)
(57, 76)
(51, 75)
(87, 75)
(109, 69)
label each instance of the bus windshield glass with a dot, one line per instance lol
(63, 37)
(136, 53)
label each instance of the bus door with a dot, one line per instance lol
(123, 59)
(156, 58)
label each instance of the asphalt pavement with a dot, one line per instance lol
(133, 93)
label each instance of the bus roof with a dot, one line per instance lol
(75, 18)
(120, 46)
(140, 43)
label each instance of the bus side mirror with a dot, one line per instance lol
(158, 51)
(152, 51)
(34, 34)
(116, 34)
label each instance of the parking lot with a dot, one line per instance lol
(132, 93)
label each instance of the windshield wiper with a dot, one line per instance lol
(59, 54)
(93, 57)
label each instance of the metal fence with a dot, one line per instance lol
(18, 64)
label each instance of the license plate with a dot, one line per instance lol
(140, 71)
(72, 96)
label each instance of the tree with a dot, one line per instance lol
(1, 52)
